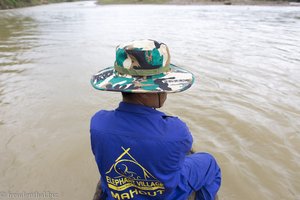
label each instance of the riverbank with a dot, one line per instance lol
(9, 4)
(200, 2)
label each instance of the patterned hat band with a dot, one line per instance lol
(141, 72)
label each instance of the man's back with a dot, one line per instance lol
(139, 151)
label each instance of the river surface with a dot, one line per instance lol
(244, 107)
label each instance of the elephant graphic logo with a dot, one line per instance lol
(127, 178)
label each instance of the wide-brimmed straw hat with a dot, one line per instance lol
(143, 66)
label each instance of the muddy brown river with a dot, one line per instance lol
(244, 107)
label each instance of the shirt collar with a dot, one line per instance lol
(137, 108)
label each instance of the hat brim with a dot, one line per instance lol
(175, 80)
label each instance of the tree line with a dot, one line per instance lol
(7, 4)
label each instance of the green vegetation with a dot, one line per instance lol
(132, 1)
(7, 4)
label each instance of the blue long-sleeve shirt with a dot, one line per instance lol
(139, 151)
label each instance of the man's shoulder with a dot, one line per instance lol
(175, 123)
(101, 114)
(173, 119)
(101, 119)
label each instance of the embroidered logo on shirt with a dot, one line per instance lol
(127, 178)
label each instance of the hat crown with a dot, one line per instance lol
(142, 57)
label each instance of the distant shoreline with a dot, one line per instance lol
(204, 2)
(231, 2)
(10, 4)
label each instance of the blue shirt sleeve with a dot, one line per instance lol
(182, 132)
